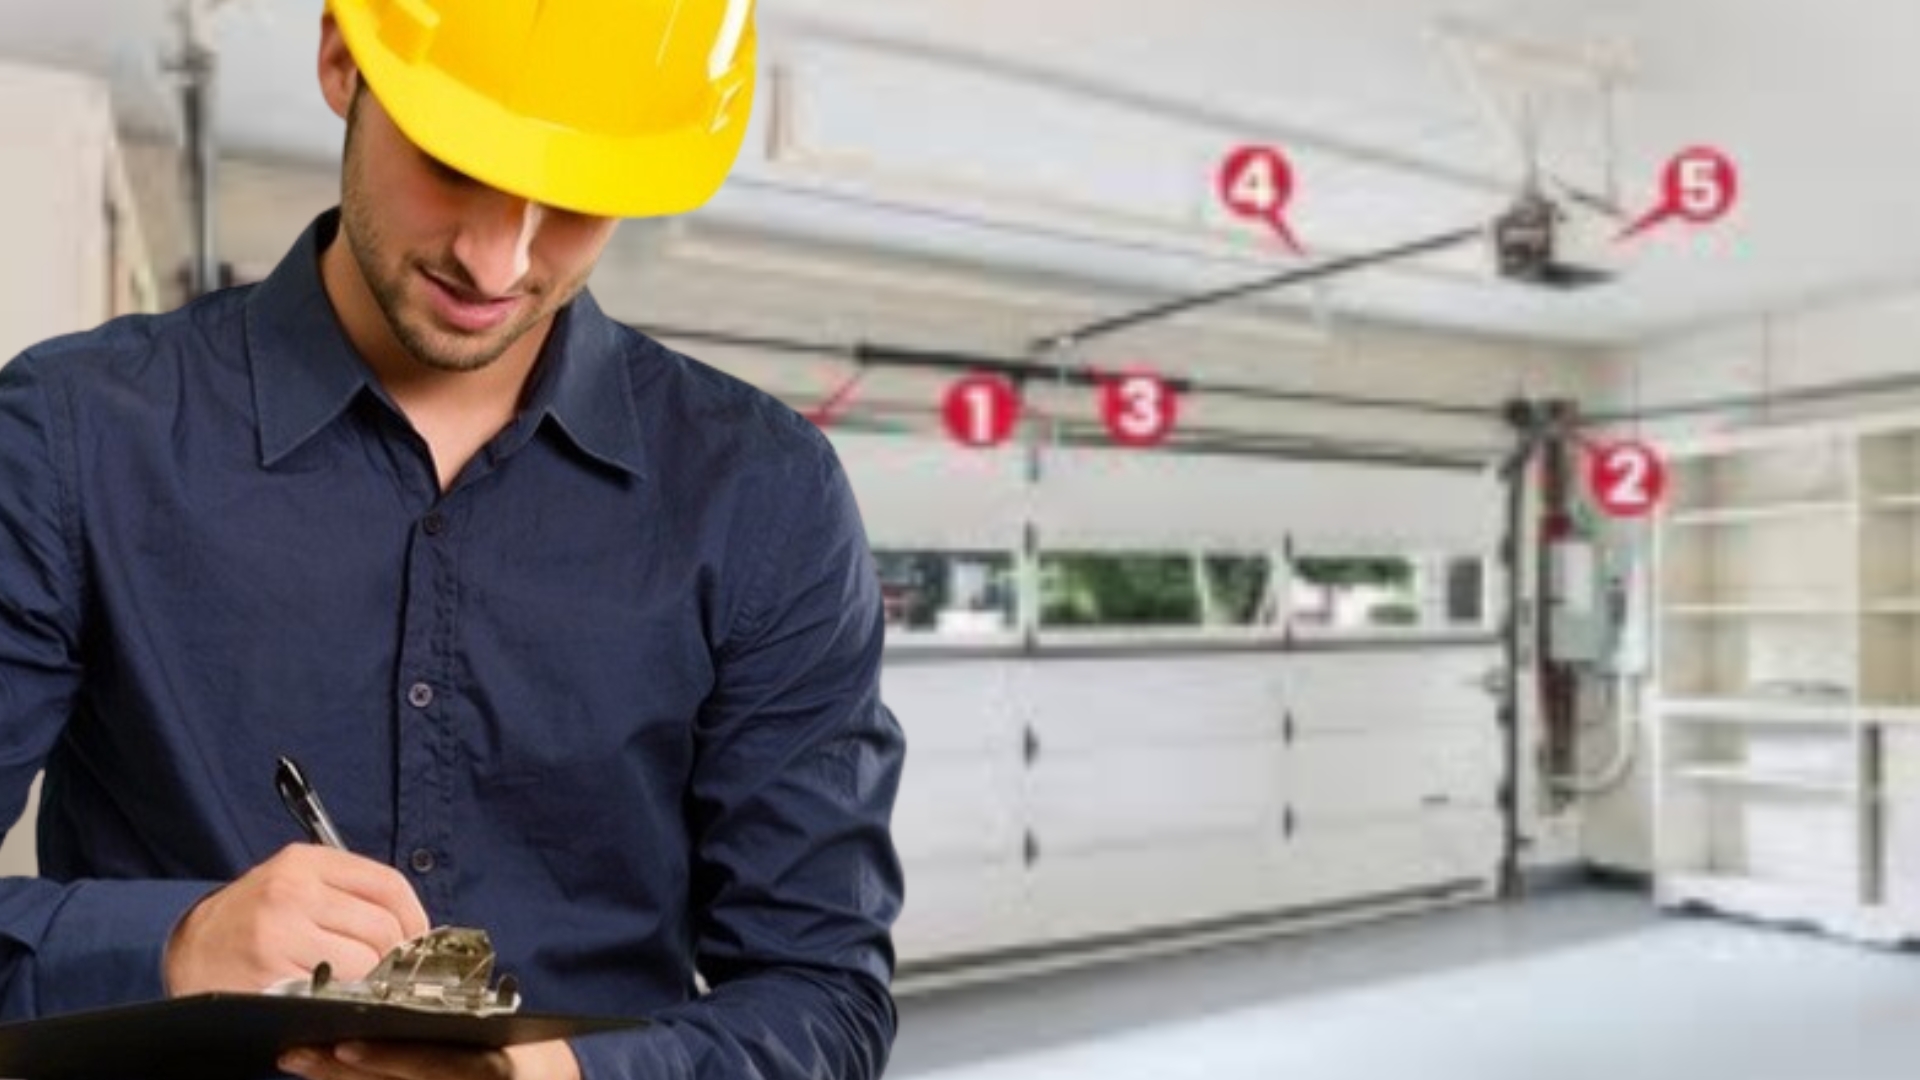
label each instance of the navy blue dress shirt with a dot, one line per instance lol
(612, 697)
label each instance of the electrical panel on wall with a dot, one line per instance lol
(1596, 597)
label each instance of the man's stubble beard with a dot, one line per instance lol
(431, 347)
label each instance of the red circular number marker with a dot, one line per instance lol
(1626, 479)
(1139, 408)
(1257, 183)
(1699, 186)
(981, 410)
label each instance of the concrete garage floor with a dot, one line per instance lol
(1568, 986)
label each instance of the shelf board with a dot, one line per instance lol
(1759, 897)
(1895, 503)
(1758, 610)
(1830, 909)
(1889, 715)
(1717, 516)
(1896, 605)
(1759, 711)
(1782, 780)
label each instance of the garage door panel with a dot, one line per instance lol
(1332, 861)
(933, 494)
(1157, 700)
(1133, 796)
(1097, 496)
(1391, 689)
(958, 807)
(1367, 774)
(955, 907)
(953, 706)
(1117, 892)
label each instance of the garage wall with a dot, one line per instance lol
(1863, 337)
(54, 278)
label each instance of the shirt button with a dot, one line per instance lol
(419, 695)
(434, 523)
(421, 860)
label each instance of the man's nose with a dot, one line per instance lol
(496, 241)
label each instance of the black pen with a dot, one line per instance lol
(304, 804)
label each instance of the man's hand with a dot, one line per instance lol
(305, 905)
(405, 1061)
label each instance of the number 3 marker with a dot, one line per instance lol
(1139, 408)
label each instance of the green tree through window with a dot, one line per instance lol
(1085, 589)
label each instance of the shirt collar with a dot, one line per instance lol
(306, 373)
(583, 383)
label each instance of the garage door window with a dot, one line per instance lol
(1239, 590)
(950, 594)
(1102, 589)
(1387, 594)
(1156, 590)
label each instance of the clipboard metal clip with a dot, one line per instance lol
(446, 970)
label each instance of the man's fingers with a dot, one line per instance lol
(301, 950)
(397, 1061)
(349, 957)
(321, 1065)
(369, 923)
(279, 920)
(377, 883)
(423, 1061)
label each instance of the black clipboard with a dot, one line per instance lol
(240, 1036)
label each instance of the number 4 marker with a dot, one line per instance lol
(1256, 183)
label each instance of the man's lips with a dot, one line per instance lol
(466, 310)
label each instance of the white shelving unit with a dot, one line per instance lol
(1788, 686)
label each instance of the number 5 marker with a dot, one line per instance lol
(1699, 186)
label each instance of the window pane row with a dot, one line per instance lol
(979, 593)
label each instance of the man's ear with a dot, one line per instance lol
(339, 75)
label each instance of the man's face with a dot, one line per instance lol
(460, 270)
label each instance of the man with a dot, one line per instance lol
(578, 639)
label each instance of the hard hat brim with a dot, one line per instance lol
(654, 174)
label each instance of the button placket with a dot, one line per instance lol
(428, 700)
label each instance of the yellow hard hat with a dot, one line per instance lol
(618, 108)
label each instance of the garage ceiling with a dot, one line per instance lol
(1078, 137)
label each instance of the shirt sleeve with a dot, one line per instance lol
(73, 945)
(796, 881)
